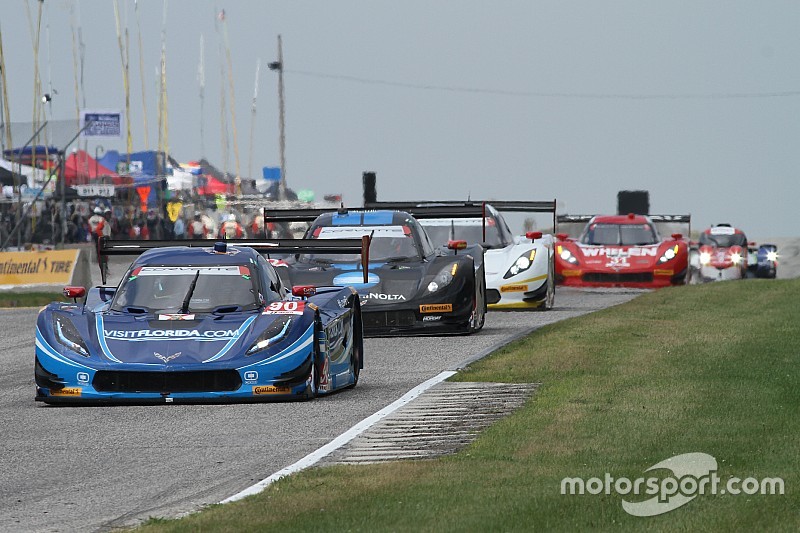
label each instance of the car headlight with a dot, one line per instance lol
(736, 258)
(772, 256)
(670, 254)
(705, 258)
(275, 333)
(443, 278)
(522, 264)
(67, 334)
(566, 255)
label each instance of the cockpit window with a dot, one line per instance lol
(620, 234)
(388, 242)
(468, 229)
(723, 240)
(155, 289)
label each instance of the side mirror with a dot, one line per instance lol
(533, 235)
(677, 236)
(304, 291)
(74, 293)
(562, 236)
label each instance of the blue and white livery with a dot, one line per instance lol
(198, 324)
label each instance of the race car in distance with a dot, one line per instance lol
(199, 324)
(762, 260)
(622, 251)
(413, 287)
(723, 253)
(520, 270)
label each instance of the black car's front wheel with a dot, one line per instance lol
(478, 318)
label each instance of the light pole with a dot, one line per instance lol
(278, 65)
(98, 148)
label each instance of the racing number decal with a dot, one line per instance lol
(618, 261)
(285, 308)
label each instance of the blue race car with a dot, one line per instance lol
(762, 260)
(196, 323)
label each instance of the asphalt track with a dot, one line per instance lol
(96, 468)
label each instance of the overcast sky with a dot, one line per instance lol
(697, 102)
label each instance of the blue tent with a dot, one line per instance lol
(110, 160)
(143, 166)
(141, 163)
(28, 150)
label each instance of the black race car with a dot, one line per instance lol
(412, 286)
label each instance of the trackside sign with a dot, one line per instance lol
(32, 268)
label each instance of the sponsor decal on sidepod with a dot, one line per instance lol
(436, 308)
(386, 297)
(270, 389)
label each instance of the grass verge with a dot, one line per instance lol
(710, 369)
(29, 299)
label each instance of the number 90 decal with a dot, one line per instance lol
(285, 308)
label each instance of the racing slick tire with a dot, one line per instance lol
(313, 375)
(357, 357)
(478, 318)
(550, 295)
(551, 286)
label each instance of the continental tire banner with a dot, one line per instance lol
(33, 268)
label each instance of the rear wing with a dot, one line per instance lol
(443, 210)
(671, 224)
(573, 225)
(468, 209)
(106, 247)
(413, 208)
(520, 206)
(431, 210)
(298, 215)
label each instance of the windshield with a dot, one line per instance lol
(620, 234)
(154, 289)
(470, 230)
(723, 241)
(388, 243)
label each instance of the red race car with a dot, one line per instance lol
(622, 251)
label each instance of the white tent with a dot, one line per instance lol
(35, 176)
(182, 178)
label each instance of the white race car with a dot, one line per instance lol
(520, 270)
(723, 253)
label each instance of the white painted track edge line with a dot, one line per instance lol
(317, 455)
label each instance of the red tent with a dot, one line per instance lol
(80, 168)
(214, 186)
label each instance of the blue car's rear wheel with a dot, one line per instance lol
(313, 375)
(357, 355)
